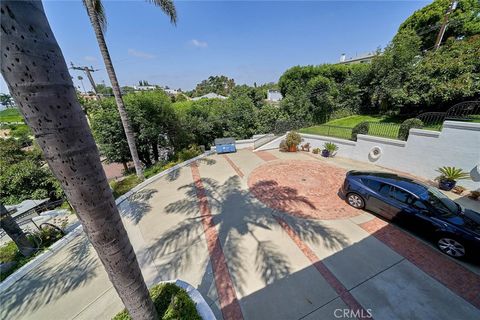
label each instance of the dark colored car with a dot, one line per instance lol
(455, 230)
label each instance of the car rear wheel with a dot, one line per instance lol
(452, 247)
(355, 200)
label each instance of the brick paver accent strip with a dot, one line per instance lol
(234, 166)
(265, 155)
(454, 276)
(223, 281)
(339, 288)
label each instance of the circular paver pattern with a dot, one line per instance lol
(304, 188)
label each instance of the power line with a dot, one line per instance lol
(88, 72)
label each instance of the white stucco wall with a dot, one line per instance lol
(458, 145)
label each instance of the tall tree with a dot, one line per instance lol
(97, 18)
(35, 71)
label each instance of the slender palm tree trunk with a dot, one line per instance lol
(11, 228)
(115, 86)
(37, 76)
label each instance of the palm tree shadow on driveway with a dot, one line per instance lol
(236, 214)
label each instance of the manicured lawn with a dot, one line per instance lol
(10, 115)
(338, 132)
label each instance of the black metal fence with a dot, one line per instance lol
(383, 129)
(464, 111)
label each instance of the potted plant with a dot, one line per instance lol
(316, 150)
(293, 140)
(449, 176)
(329, 149)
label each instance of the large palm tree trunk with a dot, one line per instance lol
(97, 28)
(11, 228)
(37, 76)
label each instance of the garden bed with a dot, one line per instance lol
(171, 302)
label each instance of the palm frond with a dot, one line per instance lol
(168, 7)
(452, 173)
(100, 12)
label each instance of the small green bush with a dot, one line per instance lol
(121, 187)
(171, 302)
(186, 154)
(407, 125)
(361, 128)
(316, 150)
(8, 252)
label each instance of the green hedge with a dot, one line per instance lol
(361, 128)
(407, 125)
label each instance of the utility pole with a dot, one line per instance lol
(441, 33)
(88, 71)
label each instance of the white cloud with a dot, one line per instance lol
(90, 59)
(198, 43)
(140, 54)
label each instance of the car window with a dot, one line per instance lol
(443, 205)
(384, 189)
(418, 204)
(372, 184)
(400, 195)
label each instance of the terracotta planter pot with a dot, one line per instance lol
(292, 148)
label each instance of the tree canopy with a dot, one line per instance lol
(221, 85)
(24, 174)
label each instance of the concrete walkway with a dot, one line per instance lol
(202, 224)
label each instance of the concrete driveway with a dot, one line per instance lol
(262, 235)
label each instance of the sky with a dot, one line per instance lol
(250, 41)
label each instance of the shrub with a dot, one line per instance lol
(192, 151)
(361, 128)
(316, 150)
(8, 252)
(407, 125)
(171, 303)
(283, 146)
(121, 187)
(293, 139)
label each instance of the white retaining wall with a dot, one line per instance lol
(458, 145)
